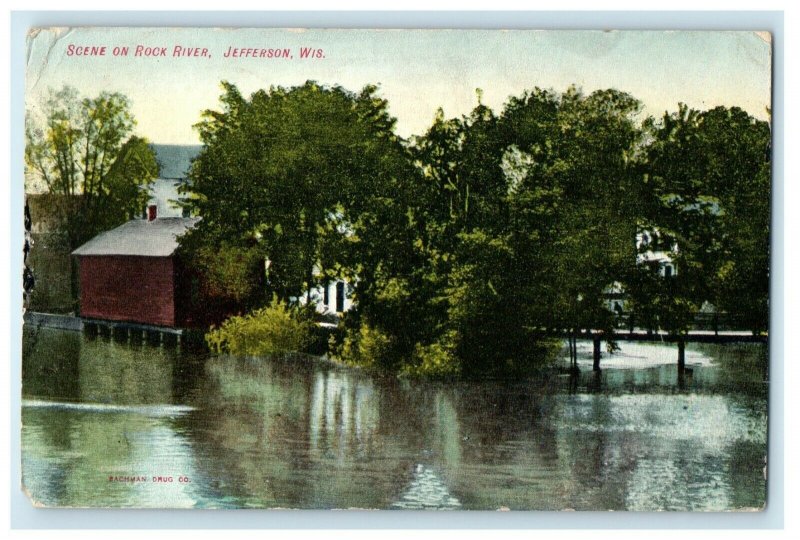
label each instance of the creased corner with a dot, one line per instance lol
(765, 36)
(33, 500)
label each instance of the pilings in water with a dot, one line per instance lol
(664, 338)
(135, 333)
(572, 341)
(596, 352)
(120, 333)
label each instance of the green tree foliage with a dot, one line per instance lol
(710, 177)
(576, 201)
(230, 274)
(84, 151)
(125, 186)
(532, 220)
(295, 174)
(365, 346)
(468, 245)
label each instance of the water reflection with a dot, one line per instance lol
(290, 434)
(298, 433)
(426, 491)
(95, 409)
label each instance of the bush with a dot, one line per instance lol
(366, 347)
(369, 347)
(433, 361)
(275, 329)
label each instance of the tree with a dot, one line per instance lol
(531, 217)
(473, 281)
(473, 242)
(84, 151)
(710, 173)
(574, 202)
(294, 174)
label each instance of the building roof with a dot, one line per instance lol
(139, 237)
(174, 160)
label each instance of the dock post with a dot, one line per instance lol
(681, 354)
(90, 329)
(596, 353)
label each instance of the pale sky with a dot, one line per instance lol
(417, 71)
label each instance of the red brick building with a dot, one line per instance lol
(132, 273)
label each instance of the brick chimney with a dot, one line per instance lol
(152, 212)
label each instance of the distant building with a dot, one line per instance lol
(132, 273)
(615, 298)
(174, 162)
(334, 297)
(49, 253)
(653, 247)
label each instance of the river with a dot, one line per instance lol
(109, 423)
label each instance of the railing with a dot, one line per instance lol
(702, 321)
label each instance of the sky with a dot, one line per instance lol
(417, 71)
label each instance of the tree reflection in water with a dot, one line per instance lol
(298, 433)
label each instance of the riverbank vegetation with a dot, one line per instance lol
(466, 244)
(275, 329)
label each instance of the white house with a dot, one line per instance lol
(650, 248)
(334, 297)
(174, 161)
(614, 296)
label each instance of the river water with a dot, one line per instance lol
(117, 424)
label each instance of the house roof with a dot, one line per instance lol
(139, 237)
(174, 160)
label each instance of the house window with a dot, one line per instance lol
(668, 270)
(339, 296)
(326, 297)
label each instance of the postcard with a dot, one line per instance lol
(396, 269)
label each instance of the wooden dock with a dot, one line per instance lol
(696, 336)
(51, 320)
(117, 329)
(133, 331)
